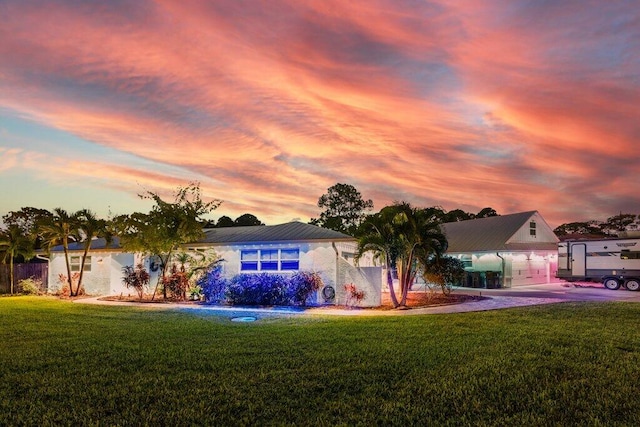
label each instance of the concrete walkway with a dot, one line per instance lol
(488, 303)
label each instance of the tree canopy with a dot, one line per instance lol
(404, 238)
(344, 209)
(247, 220)
(613, 226)
(168, 225)
(14, 242)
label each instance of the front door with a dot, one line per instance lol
(578, 259)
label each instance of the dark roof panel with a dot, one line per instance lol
(96, 245)
(485, 234)
(291, 231)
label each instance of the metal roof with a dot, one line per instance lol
(288, 232)
(490, 234)
(96, 245)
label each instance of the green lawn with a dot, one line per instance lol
(72, 364)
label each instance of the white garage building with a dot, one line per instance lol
(504, 251)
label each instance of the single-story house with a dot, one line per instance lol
(504, 251)
(282, 249)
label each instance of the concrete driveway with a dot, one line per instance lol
(560, 290)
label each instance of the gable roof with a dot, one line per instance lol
(289, 232)
(490, 234)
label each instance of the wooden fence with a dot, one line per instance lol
(38, 271)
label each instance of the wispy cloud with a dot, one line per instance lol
(514, 105)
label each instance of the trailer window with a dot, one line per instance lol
(627, 254)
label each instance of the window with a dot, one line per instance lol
(74, 262)
(270, 260)
(467, 261)
(532, 229)
(249, 260)
(289, 259)
(627, 254)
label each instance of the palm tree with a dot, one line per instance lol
(378, 236)
(89, 227)
(14, 242)
(401, 236)
(418, 235)
(59, 229)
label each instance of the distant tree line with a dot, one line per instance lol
(241, 221)
(614, 226)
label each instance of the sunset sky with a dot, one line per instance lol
(517, 105)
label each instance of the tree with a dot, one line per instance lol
(377, 236)
(589, 228)
(344, 209)
(246, 220)
(59, 229)
(89, 227)
(225, 221)
(27, 219)
(486, 213)
(456, 215)
(403, 236)
(167, 227)
(13, 243)
(444, 271)
(618, 223)
(419, 237)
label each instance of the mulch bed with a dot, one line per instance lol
(414, 300)
(428, 299)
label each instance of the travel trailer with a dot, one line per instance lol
(613, 262)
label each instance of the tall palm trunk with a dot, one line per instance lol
(84, 257)
(65, 246)
(11, 273)
(392, 291)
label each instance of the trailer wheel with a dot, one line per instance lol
(633, 284)
(611, 283)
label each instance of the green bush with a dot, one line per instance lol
(30, 286)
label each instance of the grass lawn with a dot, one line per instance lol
(72, 364)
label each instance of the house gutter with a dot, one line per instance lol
(335, 248)
(502, 278)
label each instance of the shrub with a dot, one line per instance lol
(213, 284)
(444, 272)
(176, 283)
(30, 286)
(354, 296)
(64, 290)
(302, 285)
(136, 278)
(258, 289)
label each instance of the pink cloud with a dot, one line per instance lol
(269, 103)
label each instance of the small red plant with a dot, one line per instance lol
(354, 296)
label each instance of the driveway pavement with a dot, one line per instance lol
(560, 290)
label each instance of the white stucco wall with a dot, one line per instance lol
(98, 281)
(105, 277)
(320, 258)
